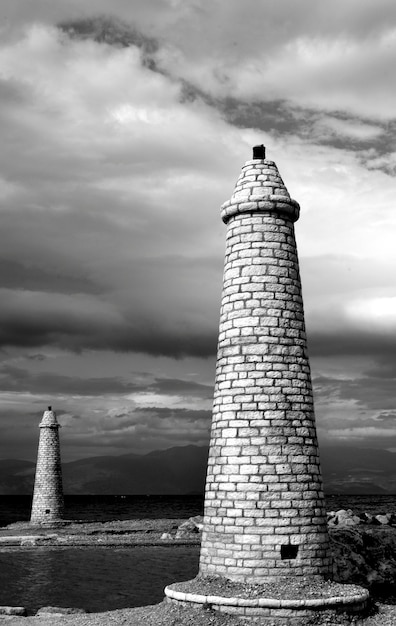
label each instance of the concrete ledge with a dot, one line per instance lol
(333, 601)
(13, 610)
(267, 609)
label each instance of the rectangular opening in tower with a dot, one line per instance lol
(289, 552)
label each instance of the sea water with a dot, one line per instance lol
(106, 578)
(107, 508)
(92, 578)
(91, 508)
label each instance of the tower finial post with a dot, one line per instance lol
(259, 152)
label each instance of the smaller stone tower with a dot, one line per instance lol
(47, 506)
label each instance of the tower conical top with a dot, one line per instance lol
(49, 419)
(260, 188)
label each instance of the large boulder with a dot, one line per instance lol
(385, 520)
(166, 536)
(190, 528)
(343, 518)
(198, 521)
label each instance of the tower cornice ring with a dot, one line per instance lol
(273, 203)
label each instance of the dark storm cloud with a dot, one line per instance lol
(35, 357)
(113, 32)
(139, 429)
(387, 416)
(145, 440)
(77, 332)
(19, 433)
(84, 250)
(160, 418)
(385, 367)
(325, 387)
(173, 386)
(20, 380)
(368, 392)
(356, 411)
(339, 131)
(43, 277)
(351, 342)
(16, 379)
(75, 281)
(166, 413)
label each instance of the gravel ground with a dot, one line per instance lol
(163, 614)
(169, 614)
(290, 589)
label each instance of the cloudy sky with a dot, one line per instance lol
(124, 126)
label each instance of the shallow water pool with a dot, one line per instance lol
(92, 578)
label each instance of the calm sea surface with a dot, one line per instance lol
(107, 508)
(100, 578)
(96, 579)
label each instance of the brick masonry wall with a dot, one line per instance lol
(264, 507)
(290, 617)
(48, 502)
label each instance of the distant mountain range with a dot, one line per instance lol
(182, 470)
(362, 471)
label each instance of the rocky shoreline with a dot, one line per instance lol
(364, 551)
(116, 533)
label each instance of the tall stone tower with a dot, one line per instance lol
(47, 506)
(264, 499)
(264, 520)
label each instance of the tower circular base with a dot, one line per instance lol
(299, 609)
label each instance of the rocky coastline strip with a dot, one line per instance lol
(152, 532)
(363, 546)
(116, 533)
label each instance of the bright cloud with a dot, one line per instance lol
(376, 312)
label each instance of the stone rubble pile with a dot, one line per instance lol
(349, 518)
(340, 518)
